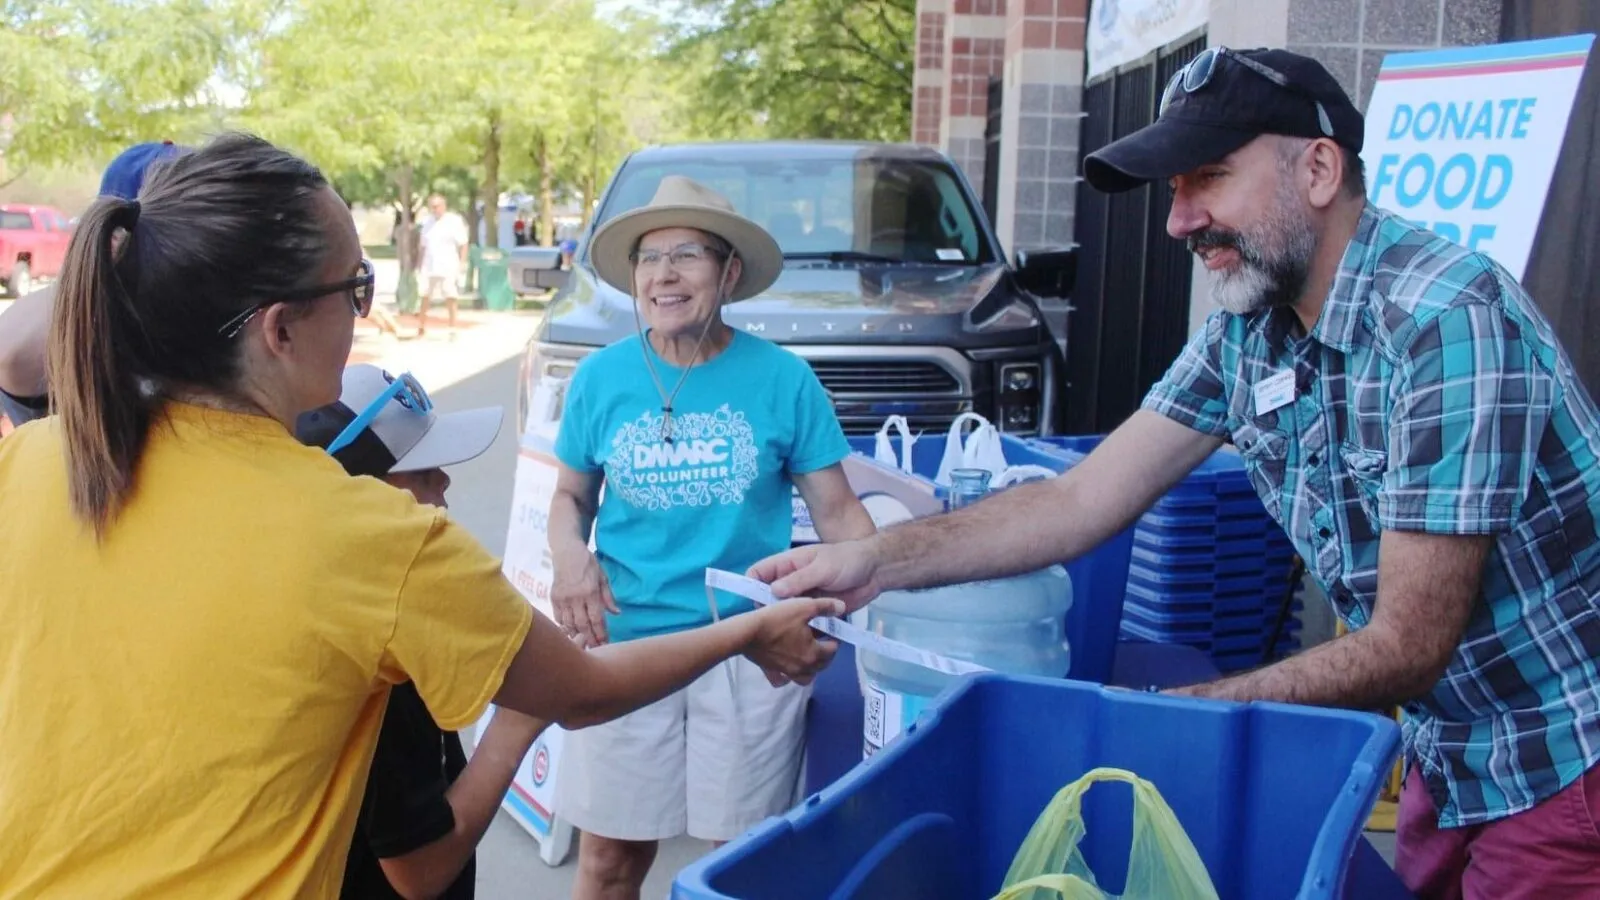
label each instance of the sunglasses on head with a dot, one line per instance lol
(359, 287)
(405, 389)
(1198, 72)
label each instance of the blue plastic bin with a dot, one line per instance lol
(1099, 577)
(1273, 797)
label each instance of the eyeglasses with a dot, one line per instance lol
(360, 288)
(1198, 72)
(405, 389)
(678, 257)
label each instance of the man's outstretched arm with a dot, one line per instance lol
(1019, 530)
(1428, 585)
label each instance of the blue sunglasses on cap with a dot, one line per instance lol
(405, 389)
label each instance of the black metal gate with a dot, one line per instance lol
(991, 150)
(1130, 312)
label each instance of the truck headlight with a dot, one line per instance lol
(542, 388)
(1019, 397)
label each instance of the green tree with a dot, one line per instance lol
(81, 79)
(493, 87)
(365, 90)
(800, 68)
(582, 105)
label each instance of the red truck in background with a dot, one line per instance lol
(33, 244)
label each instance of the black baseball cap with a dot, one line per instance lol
(1221, 101)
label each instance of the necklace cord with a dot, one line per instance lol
(645, 347)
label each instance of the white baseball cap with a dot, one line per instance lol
(383, 424)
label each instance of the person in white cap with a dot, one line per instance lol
(426, 807)
(699, 433)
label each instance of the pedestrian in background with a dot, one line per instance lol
(444, 260)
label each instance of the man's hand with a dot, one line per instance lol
(581, 597)
(846, 571)
(784, 646)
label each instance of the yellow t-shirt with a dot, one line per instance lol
(189, 708)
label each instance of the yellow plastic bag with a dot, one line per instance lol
(1162, 863)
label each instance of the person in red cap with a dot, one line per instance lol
(1405, 412)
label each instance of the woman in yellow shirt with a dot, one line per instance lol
(201, 616)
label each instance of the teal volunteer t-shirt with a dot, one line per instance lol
(718, 495)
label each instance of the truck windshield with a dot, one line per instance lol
(844, 209)
(16, 221)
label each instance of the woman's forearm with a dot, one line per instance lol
(634, 674)
(851, 522)
(571, 521)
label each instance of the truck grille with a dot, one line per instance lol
(893, 378)
(867, 391)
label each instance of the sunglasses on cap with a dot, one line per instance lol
(1198, 72)
(359, 288)
(405, 389)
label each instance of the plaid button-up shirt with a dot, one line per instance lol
(1432, 396)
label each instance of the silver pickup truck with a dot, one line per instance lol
(894, 288)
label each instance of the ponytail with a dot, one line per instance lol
(96, 367)
(216, 232)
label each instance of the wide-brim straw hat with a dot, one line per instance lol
(685, 203)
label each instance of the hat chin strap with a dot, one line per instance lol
(644, 347)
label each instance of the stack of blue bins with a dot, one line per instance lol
(1209, 569)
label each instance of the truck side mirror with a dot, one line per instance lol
(1047, 273)
(532, 269)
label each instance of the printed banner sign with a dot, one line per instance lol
(1121, 31)
(531, 800)
(1464, 141)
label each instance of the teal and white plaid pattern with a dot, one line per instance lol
(1432, 396)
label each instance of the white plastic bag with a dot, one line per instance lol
(980, 450)
(883, 451)
(1019, 474)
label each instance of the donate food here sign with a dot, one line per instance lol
(1464, 141)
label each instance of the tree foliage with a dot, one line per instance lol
(801, 68)
(85, 78)
(394, 98)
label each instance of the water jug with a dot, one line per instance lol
(1012, 625)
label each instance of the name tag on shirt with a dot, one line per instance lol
(1274, 391)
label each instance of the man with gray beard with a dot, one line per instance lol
(1406, 413)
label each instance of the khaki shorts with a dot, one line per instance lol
(442, 288)
(703, 760)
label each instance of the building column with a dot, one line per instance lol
(974, 53)
(1041, 111)
(930, 80)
